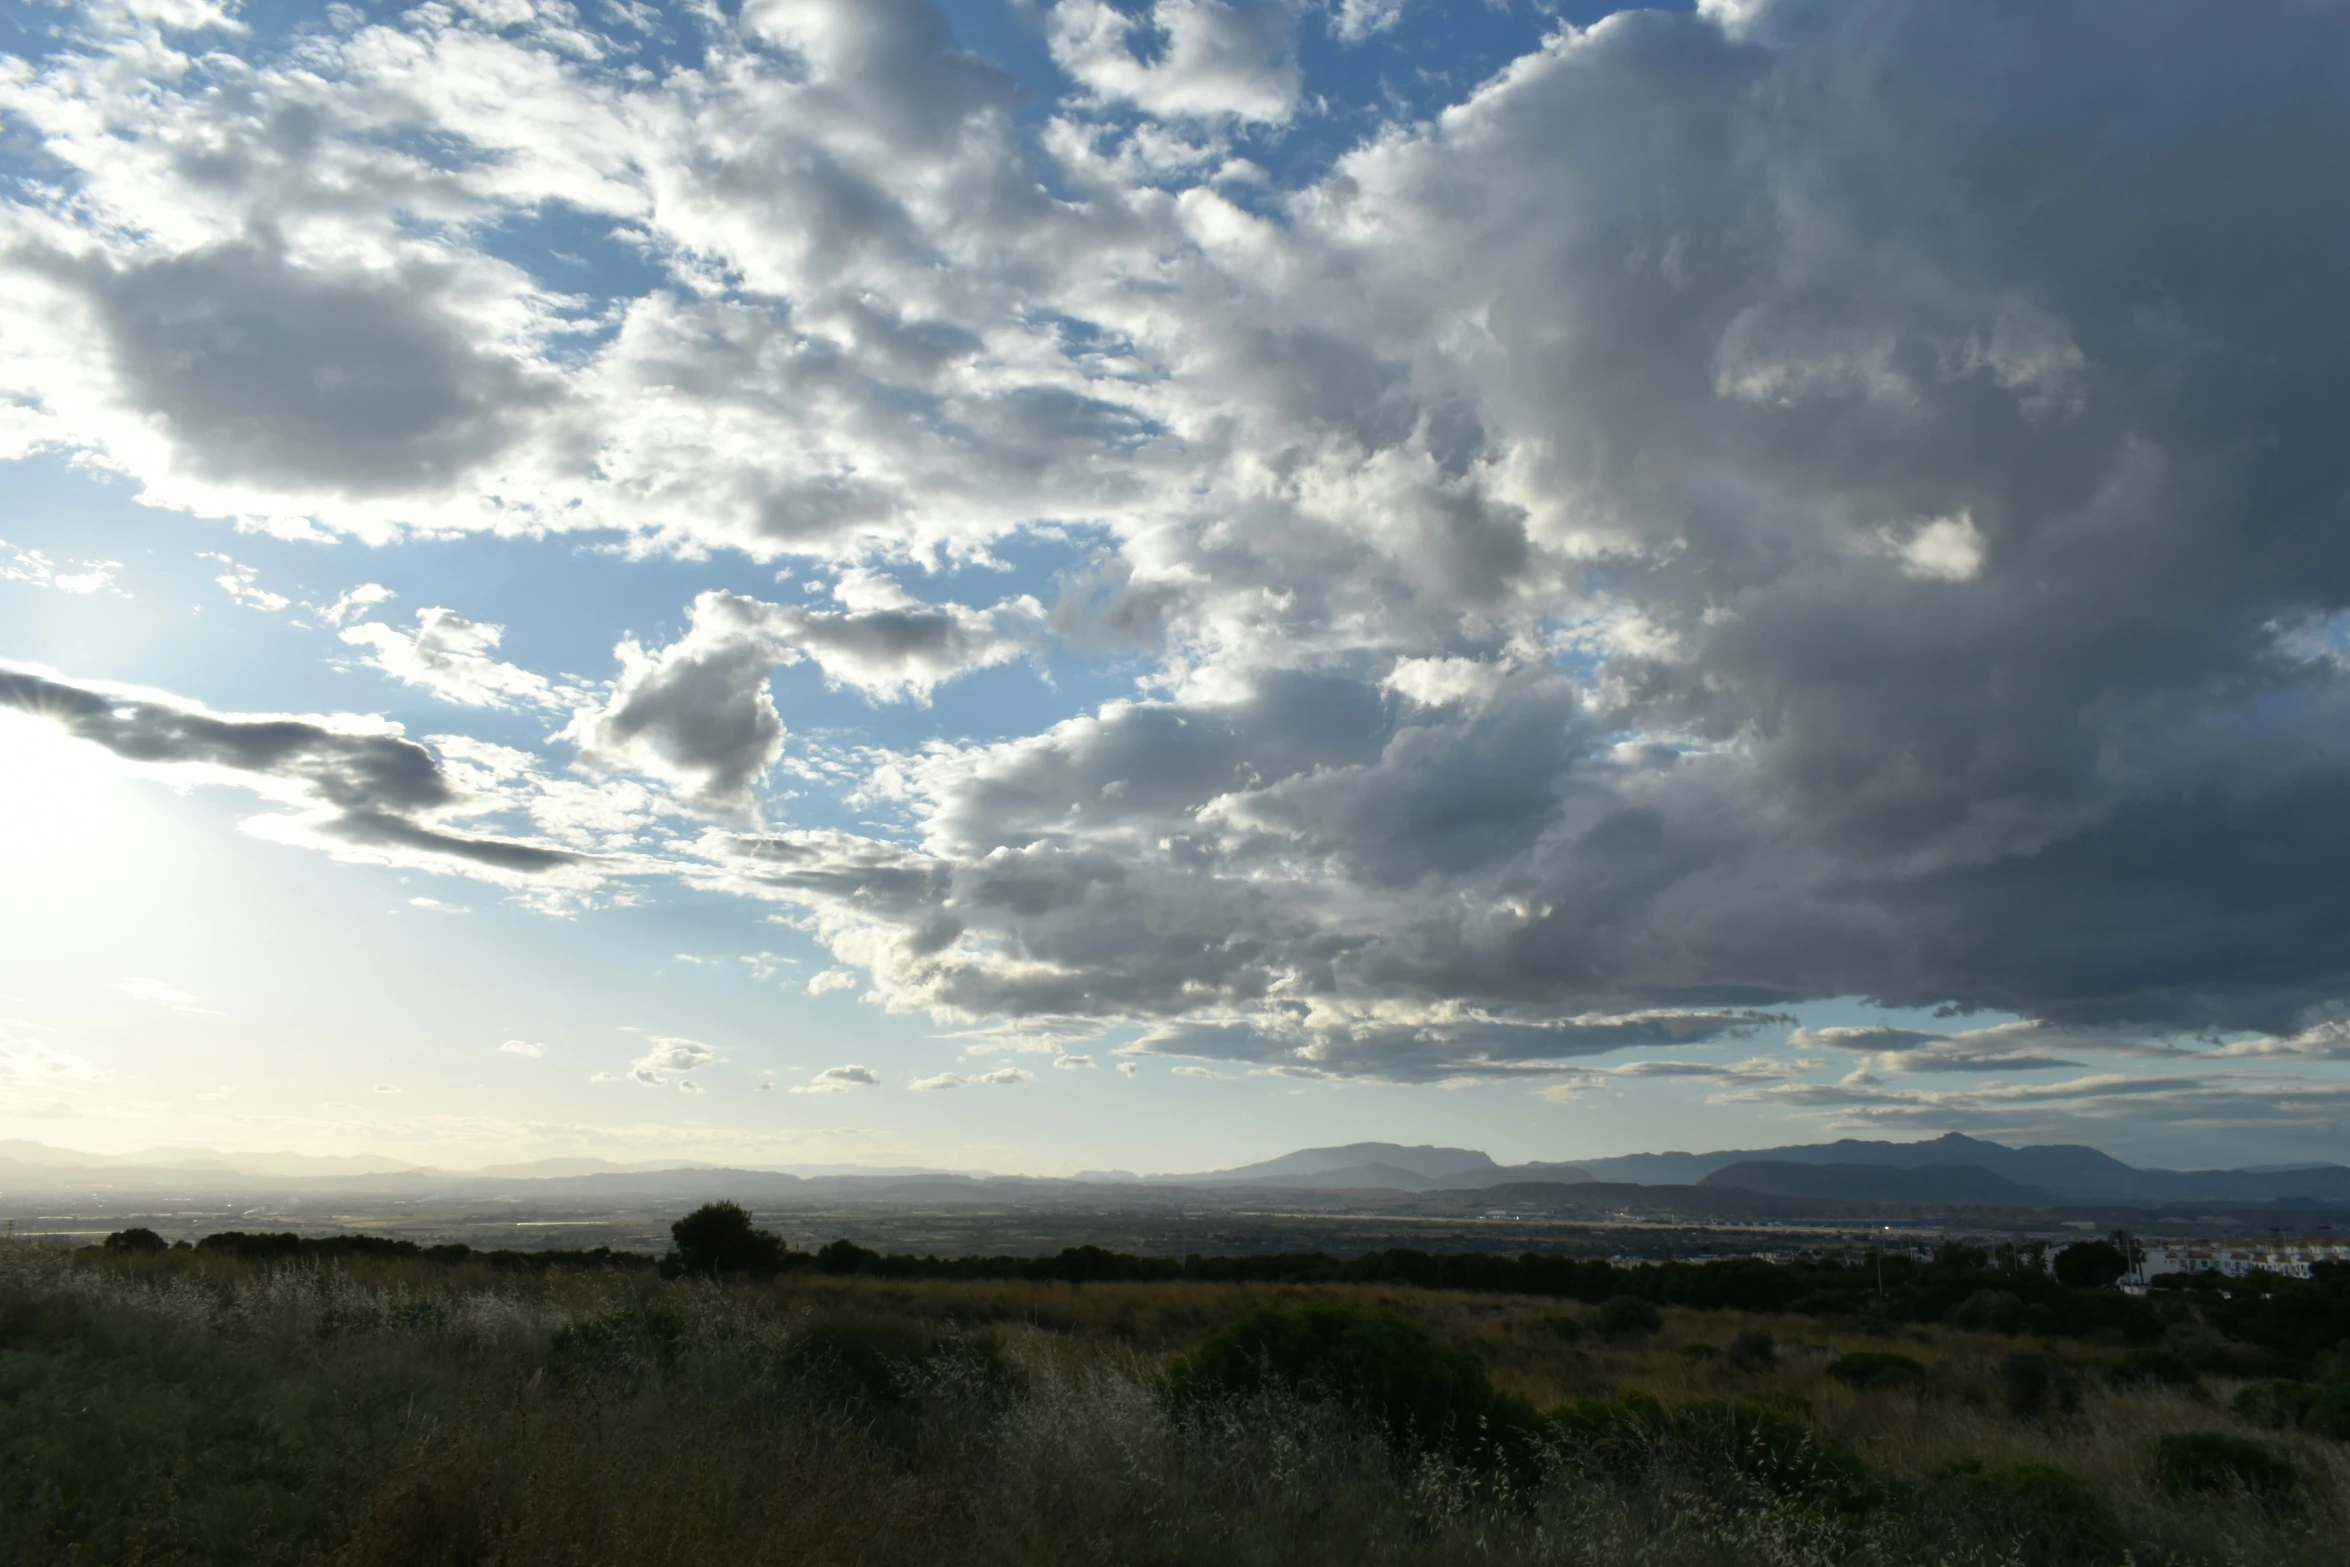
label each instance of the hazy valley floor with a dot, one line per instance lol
(190, 1409)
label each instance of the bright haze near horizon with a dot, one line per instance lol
(1047, 584)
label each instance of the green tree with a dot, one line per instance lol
(136, 1240)
(2088, 1265)
(719, 1237)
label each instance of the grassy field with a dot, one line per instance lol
(184, 1408)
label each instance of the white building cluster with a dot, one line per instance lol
(2233, 1259)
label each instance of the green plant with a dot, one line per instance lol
(1872, 1369)
(1566, 1328)
(2043, 1515)
(136, 1240)
(718, 1238)
(1628, 1316)
(1769, 1451)
(1753, 1350)
(2201, 1461)
(1415, 1390)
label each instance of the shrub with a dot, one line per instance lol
(1702, 1351)
(1988, 1311)
(2198, 1461)
(718, 1238)
(1566, 1328)
(2276, 1401)
(620, 1347)
(846, 1256)
(1628, 1316)
(1417, 1391)
(2328, 1413)
(889, 1362)
(2034, 1385)
(1753, 1350)
(1871, 1369)
(1772, 1452)
(2047, 1515)
(136, 1240)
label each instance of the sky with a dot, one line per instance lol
(1042, 585)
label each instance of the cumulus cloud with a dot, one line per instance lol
(699, 713)
(667, 1059)
(524, 1048)
(1575, 599)
(839, 1080)
(1199, 58)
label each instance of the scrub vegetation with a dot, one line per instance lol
(360, 1403)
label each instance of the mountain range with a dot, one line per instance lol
(1948, 1171)
(1953, 1169)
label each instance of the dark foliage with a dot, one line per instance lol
(2088, 1265)
(846, 1256)
(1767, 1450)
(718, 1238)
(2322, 1407)
(1389, 1371)
(1988, 1311)
(344, 1248)
(2161, 1367)
(1628, 1316)
(2045, 1515)
(1870, 1369)
(136, 1240)
(2213, 1461)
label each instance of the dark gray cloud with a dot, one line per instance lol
(372, 791)
(357, 383)
(699, 711)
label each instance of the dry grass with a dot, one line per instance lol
(407, 1413)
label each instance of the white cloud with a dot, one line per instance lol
(1213, 58)
(524, 1048)
(453, 658)
(830, 980)
(355, 602)
(1073, 1063)
(668, 1055)
(1943, 549)
(243, 584)
(35, 567)
(1360, 19)
(839, 1080)
(942, 1080)
(1540, 570)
